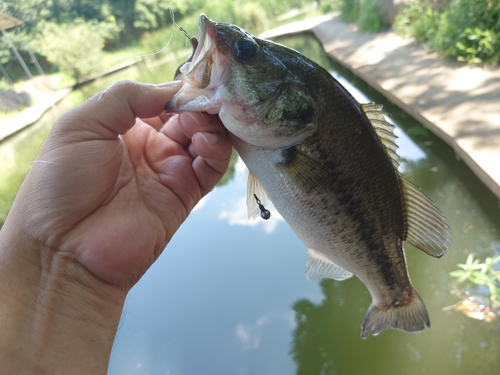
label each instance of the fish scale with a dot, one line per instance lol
(327, 162)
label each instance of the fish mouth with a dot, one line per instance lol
(199, 87)
(205, 43)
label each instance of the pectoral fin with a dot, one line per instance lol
(305, 172)
(319, 267)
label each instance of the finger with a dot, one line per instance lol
(173, 131)
(213, 152)
(211, 146)
(115, 110)
(194, 122)
(188, 123)
(159, 121)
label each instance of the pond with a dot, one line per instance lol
(229, 295)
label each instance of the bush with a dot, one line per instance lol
(75, 48)
(250, 16)
(370, 17)
(468, 30)
(366, 13)
(417, 20)
(349, 10)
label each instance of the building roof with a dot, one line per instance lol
(6, 21)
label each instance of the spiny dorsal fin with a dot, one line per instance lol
(255, 187)
(384, 130)
(427, 228)
(319, 267)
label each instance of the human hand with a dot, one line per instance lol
(111, 203)
(105, 195)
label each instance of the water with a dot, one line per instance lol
(229, 296)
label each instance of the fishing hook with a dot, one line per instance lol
(264, 213)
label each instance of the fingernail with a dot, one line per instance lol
(169, 84)
(209, 138)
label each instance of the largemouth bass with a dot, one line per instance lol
(328, 164)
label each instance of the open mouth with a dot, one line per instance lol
(203, 48)
(200, 84)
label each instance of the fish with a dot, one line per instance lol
(328, 163)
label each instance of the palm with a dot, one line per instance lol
(153, 191)
(127, 195)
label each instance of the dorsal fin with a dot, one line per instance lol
(384, 130)
(427, 228)
(255, 187)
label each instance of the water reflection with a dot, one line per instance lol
(324, 344)
(235, 210)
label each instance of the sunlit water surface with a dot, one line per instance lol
(229, 295)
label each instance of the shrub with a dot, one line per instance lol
(468, 30)
(76, 48)
(417, 20)
(370, 19)
(349, 10)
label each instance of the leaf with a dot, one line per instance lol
(457, 273)
(464, 277)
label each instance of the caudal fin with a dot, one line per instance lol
(412, 317)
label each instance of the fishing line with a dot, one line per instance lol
(174, 24)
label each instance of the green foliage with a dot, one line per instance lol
(478, 274)
(468, 30)
(76, 48)
(366, 13)
(477, 46)
(371, 19)
(417, 20)
(29, 11)
(69, 34)
(349, 10)
(250, 16)
(327, 6)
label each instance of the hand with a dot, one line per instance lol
(104, 197)
(111, 202)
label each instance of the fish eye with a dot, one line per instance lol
(245, 49)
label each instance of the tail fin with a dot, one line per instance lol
(411, 317)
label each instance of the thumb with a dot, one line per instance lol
(114, 110)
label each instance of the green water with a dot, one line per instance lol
(229, 296)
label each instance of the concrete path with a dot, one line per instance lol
(31, 114)
(460, 104)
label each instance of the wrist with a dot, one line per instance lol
(55, 316)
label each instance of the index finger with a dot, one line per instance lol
(114, 111)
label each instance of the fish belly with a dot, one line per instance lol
(325, 227)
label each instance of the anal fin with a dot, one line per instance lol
(319, 267)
